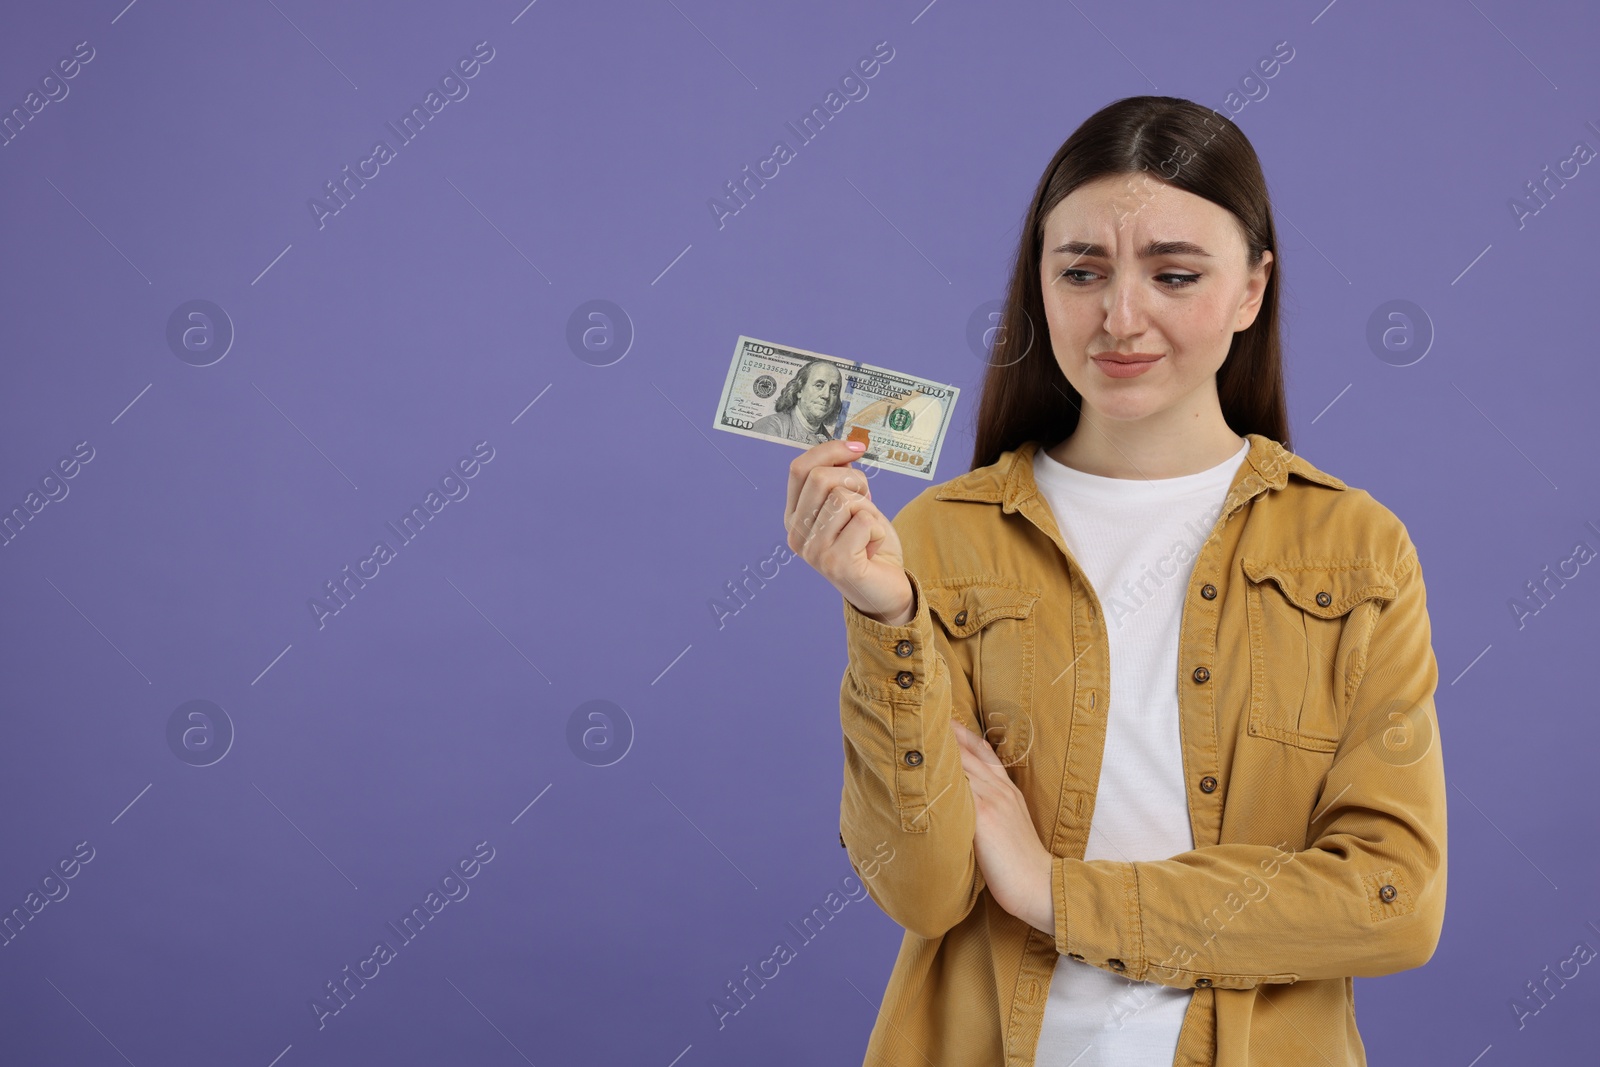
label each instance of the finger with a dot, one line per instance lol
(974, 773)
(823, 523)
(876, 525)
(986, 775)
(964, 736)
(818, 504)
(860, 527)
(827, 454)
(982, 753)
(848, 540)
(971, 757)
(840, 507)
(858, 535)
(815, 491)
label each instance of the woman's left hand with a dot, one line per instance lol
(1016, 866)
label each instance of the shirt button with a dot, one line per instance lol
(905, 678)
(1116, 965)
(1202, 983)
(961, 617)
(1208, 784)
(1388, 893)
(913, 758)
(1208, 591)
(1201, 674)
(902, 648)
(1323, 599)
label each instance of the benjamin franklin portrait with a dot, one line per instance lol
(807, 407)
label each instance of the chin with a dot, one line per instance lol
(1123, 408)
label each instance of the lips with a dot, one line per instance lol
(1127, 357)
(1125, 364)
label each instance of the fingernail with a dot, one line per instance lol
(857, 446)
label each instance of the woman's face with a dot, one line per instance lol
(1135, 266)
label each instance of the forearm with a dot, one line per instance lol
(903, 781)
(1238, 915)
(1366, 897)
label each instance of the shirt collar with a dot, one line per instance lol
(1009, 482)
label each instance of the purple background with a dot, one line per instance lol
(370, 354)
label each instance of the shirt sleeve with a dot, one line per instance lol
(905, 794)
(1365, 898)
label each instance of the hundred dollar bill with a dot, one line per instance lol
(803, 398)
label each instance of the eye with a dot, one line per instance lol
(1171, 281)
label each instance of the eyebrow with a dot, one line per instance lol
(1083, 249)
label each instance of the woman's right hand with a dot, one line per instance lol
(834, 526)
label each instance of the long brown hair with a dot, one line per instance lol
(1024, 395)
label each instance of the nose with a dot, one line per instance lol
(1124, 307)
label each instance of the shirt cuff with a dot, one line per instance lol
(1097, 914)
(893, 663)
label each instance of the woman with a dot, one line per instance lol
(1191, 784)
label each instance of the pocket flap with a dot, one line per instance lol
(966, 605)
(1342, 584)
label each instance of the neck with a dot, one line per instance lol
(1171, 448)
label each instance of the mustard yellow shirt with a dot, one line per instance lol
(1316, 791)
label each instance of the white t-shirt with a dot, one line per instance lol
(1136, 540)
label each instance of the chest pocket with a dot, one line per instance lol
(1306, 618)
(989, 621)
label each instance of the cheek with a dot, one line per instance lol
(1198, 326)
(1215, 316)
(1067, 318)
(1201, 337)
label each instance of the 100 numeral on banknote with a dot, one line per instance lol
(804, 398)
